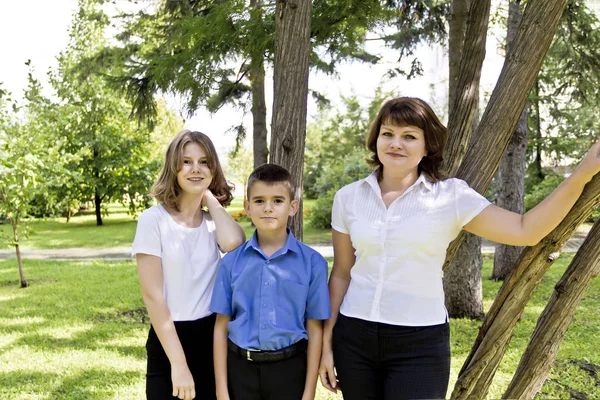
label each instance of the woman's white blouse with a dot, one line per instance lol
(400, 251)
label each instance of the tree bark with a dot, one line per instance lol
(510, 180)
(462, 280)
(24, 283)
(539, 172)
(552, 325)
(97, 203)
(259, 114)
(290, 92)
(462, 112)
(495, 334)
(259, 105)
(459, 13)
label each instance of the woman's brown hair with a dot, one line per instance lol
(166, 189)
(403, 111)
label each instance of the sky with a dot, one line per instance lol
(38, 30)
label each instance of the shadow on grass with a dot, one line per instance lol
(89, 384)
(93, 384)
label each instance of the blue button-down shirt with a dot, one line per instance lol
(269, 298)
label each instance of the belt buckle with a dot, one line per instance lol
(248, 355)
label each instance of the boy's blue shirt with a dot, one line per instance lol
(270, 298)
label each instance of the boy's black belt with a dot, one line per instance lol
(269, 356)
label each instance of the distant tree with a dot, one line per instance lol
(113, 150)
(30, 161)
(240, 165)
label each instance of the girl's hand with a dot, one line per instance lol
(590, 165)
(208, 197)
(327, 372)
(183, 382)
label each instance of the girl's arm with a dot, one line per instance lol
(314, 329)
(151, 283)
(339, 280)
(503, 226)
(229, 233)
(220, 356)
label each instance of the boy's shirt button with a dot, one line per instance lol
(264, 327)
(267, 262)
(264, 305)
(266, 283)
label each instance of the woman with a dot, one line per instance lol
(177, 250)
(389, 334)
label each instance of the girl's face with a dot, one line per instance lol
(401, 147)
(194, 175)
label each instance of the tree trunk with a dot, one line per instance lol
(540, 20)
(462, 281)
(459, 12)
(495, 334)
(462, 112)
(259, 105)
(539, 172)
(510, 180)
(97, 203)
(552, 325)
(24, 283)
(259, 115)
(290, 91)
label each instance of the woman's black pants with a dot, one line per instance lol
(196, 338)
(376, 361)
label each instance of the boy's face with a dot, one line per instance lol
(269, 206)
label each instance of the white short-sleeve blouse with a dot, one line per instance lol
(400, 251)
(190, 259)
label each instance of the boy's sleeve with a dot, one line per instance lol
(317, 303)
(221, 297)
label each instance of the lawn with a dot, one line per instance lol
(78, 332)
(118, 230)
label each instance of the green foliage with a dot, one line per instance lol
(565, 108)
(30, 162)
(116, 159)
(239, 166)
(538, 192)
(210, 52)
(333, 136)
(351, 168)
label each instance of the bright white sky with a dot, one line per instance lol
(38, 30)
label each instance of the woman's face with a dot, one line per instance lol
(401, 147)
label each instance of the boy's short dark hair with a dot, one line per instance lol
(271, 174)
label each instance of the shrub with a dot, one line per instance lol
(350, 169)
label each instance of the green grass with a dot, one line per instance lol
(118, 230)
(78, 332)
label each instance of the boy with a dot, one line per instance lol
(270, 297)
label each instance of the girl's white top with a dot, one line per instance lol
(400, 251)
(190, 258)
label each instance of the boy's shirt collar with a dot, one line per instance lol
(291, 244)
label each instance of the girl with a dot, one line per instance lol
(389, 334)
(177, 247)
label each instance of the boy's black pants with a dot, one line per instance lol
(278, 380)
